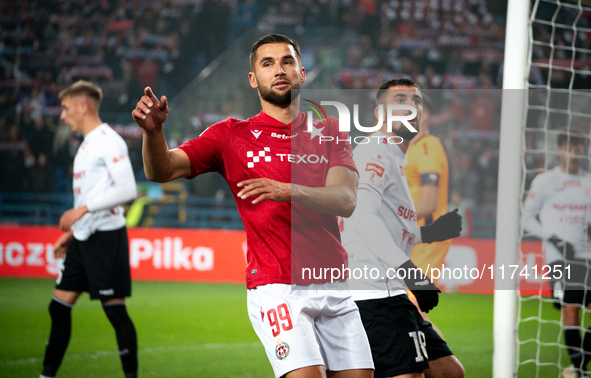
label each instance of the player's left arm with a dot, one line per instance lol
(123, 190)
(429, 195)
(337, 197)
(429, 160)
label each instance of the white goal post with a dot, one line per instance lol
(509, 184)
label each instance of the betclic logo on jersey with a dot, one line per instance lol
(344, 117)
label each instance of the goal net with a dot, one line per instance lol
(559, 73)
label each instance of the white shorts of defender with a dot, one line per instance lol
(306, 325)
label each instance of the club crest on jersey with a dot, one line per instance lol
(260, 154)
(379, 170)
(256, 133)
(376, 172)
(281, 350)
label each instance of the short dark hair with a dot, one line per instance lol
(572, 137)
(273, 38)
(401, 82)
(83, 88)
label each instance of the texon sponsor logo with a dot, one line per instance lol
(291, 158)
(305, 159)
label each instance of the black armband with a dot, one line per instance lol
(430, 178)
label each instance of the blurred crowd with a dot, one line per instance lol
(45, 45)
(440, 44)
(121, 45)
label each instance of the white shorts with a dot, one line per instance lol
(309, 325)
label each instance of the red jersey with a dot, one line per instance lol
(285, 237)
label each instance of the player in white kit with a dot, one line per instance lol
(557, 210)
(95, 238)
(379, 237)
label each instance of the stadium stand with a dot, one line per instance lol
(123, 46)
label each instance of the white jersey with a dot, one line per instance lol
(380, 234)
(562, 202)
(103, 179)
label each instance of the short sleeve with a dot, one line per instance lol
(341, 153)
(205, 151)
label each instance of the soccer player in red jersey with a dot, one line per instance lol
(289, 188)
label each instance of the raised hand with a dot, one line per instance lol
(445, 227)
(150, 113)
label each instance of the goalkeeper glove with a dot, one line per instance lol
(425, 291)
(566, 248)
(445, 227)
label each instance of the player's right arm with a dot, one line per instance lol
(61, 244)
(160, 163)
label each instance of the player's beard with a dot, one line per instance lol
(273, 97)
(404, 133)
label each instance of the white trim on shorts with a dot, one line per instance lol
(323, 327)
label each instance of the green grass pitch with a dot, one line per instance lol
(200, 330)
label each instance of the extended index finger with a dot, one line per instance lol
(148, 92)
(163, 104)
